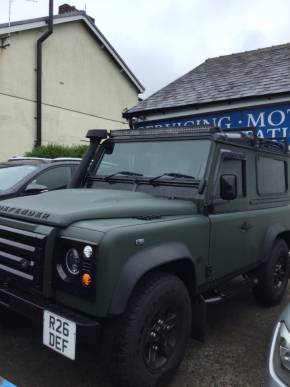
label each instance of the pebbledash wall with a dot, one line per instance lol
(243, 90)
(86, 84)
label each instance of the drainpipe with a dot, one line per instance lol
(43, 37)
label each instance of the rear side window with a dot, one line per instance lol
(271, 175)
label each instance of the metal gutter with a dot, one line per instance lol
(39, 43)
(207, 107)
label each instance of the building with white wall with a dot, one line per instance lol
(85, 83)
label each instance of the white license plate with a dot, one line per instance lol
(59, 334)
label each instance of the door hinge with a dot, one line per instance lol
(208, 271)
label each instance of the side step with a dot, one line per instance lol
(199, 306)
(231, 289)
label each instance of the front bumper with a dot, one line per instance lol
(32, 307)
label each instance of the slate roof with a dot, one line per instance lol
(27, 24)
(253, 73)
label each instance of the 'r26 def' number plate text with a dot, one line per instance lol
(59, 334)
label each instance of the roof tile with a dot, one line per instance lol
(252, 73)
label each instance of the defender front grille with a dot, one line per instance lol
(21, 257)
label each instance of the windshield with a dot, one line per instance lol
(156, 158)
(9, 176)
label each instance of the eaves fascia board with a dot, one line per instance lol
(206, 108)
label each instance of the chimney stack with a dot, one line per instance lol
(66, 8)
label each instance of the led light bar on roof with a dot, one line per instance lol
(165, 131)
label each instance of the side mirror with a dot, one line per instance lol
(35, 189)
(228, 186)
(109, 148)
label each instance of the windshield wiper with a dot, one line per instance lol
(125, 173)
(175, 175)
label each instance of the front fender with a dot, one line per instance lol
(141, 263)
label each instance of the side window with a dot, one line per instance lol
(233, 167)
(54, 178)
(271, 176)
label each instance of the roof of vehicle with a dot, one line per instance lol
(241, 136)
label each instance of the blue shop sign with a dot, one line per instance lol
(273, 121)
(5, 383)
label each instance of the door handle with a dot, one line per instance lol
(246, 226)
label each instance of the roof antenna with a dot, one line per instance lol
(9, 17)
(4, 38)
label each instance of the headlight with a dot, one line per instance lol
(284, 346)
(279, 357)
(73, 261)
(75, 267)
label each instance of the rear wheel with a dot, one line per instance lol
(273, 275)
(148, 341)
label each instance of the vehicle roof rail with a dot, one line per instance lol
(58, 159)
(26, 158)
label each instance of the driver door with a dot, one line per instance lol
(228, 218)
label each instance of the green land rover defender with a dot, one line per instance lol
(157, 224)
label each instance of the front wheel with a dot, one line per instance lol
(273, 275)
(148, 341)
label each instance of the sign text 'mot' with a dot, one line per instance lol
(271, 122)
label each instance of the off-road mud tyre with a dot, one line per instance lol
(273, 275)
(146, 344)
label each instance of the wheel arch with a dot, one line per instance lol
(286, 237)
(173, 258)
(273, 232)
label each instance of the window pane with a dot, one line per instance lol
(9, 176)
(155, 158)
(232, 167)
(54, 178)
(271, 175)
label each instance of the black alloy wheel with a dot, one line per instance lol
(273, 275)
(147, 344)
(279, 272)
(161, 339)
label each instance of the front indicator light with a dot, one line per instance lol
(86, 279)
(284, 348)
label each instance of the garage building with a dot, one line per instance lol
(240, 90)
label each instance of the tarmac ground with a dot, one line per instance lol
(234, 354)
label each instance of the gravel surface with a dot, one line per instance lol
(234, 354)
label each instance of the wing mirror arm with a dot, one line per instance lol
(35, 189)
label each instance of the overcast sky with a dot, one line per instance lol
(160, 40)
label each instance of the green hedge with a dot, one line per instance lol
(53, 151)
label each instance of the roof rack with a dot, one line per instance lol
(275, 144)
(248, 134)
(198, 129)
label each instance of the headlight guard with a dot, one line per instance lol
(71, 266)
